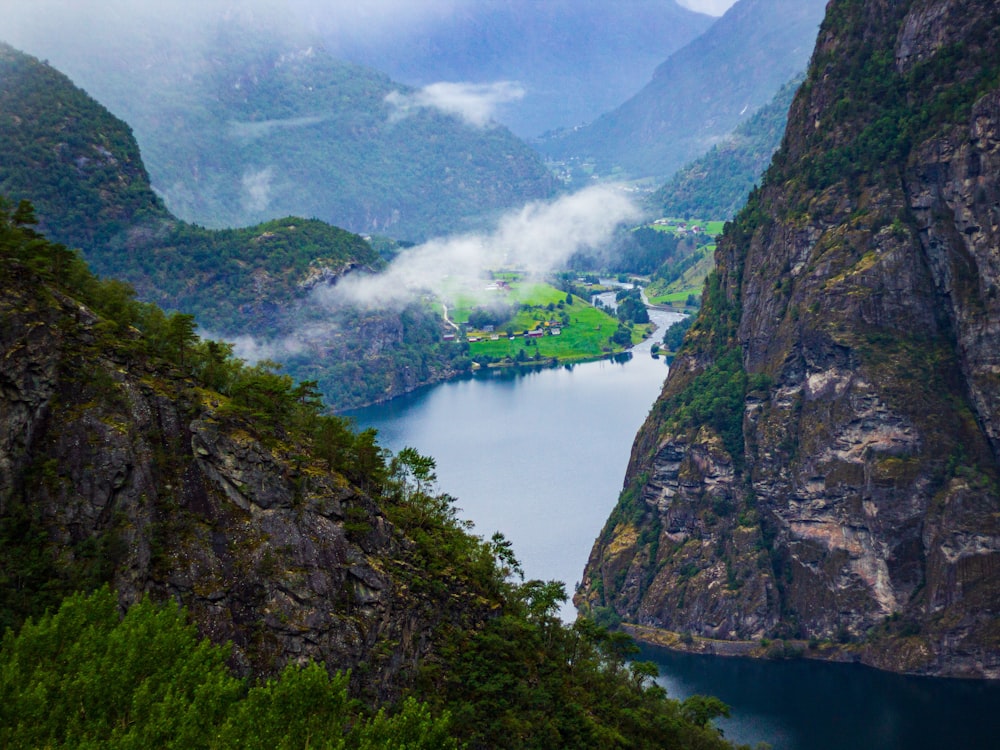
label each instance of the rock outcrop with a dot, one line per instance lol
(117, 468)
(823, 462)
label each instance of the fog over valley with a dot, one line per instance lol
(509, 374)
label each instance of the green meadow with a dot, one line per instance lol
(674, 284)
(583, 331)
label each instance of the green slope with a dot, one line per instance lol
(717, 184)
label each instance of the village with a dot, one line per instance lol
(536, 322)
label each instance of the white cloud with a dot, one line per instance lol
(537, 238)
(251, 131)
(252, 350)
(711, 7)
(257, 189)
(475, 103)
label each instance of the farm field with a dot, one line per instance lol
(685, 279)
(571, 329)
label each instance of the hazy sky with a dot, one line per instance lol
(712, 7)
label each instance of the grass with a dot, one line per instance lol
(690, 282)
(584, 330)
(693, 278)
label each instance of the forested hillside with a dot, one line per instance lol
(81, 166)
(343, 602)
(241, 121)
(718, 183)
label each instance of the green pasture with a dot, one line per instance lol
(709, 228)
(584, 336)
(690, 282)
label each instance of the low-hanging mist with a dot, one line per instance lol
(476, 104)
(535, 240)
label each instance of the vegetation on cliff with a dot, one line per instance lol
(826, 448)
(140, 457)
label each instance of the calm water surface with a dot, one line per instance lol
(541, 456)
(538, 455)
(807, 705)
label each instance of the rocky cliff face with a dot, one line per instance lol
(116, 469)
(823, 463)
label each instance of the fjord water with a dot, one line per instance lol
(541, 455)
(810, 705)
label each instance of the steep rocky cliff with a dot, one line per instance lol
(119, 467)
(823, 462)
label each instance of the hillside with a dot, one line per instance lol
(821, 470)
(141, 462)
(82, 169)
(573, 59)
(239, 123)
(89, 183)
(700, 93)
(718, 183)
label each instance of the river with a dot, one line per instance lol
(541, 456)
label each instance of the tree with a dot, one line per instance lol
(702, 709)
(407, 464)
(86, 677)
(181, 334)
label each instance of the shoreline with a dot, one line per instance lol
(915, 662)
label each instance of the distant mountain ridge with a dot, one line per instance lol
(240, 125)
(574, 58)
(717, 184)
(701, 92)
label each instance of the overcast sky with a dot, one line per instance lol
(67, 33)
(36, 19)
(712, 7)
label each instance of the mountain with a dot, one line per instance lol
(81, 167)
(700, 93)
(823, 463)
(240, 123)
(150, 470)
(89, 181)
(717, 184)
(573, 60)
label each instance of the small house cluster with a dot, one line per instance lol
(680, 227)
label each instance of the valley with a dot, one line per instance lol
(336, 413)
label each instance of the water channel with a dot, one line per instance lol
(541, 456)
